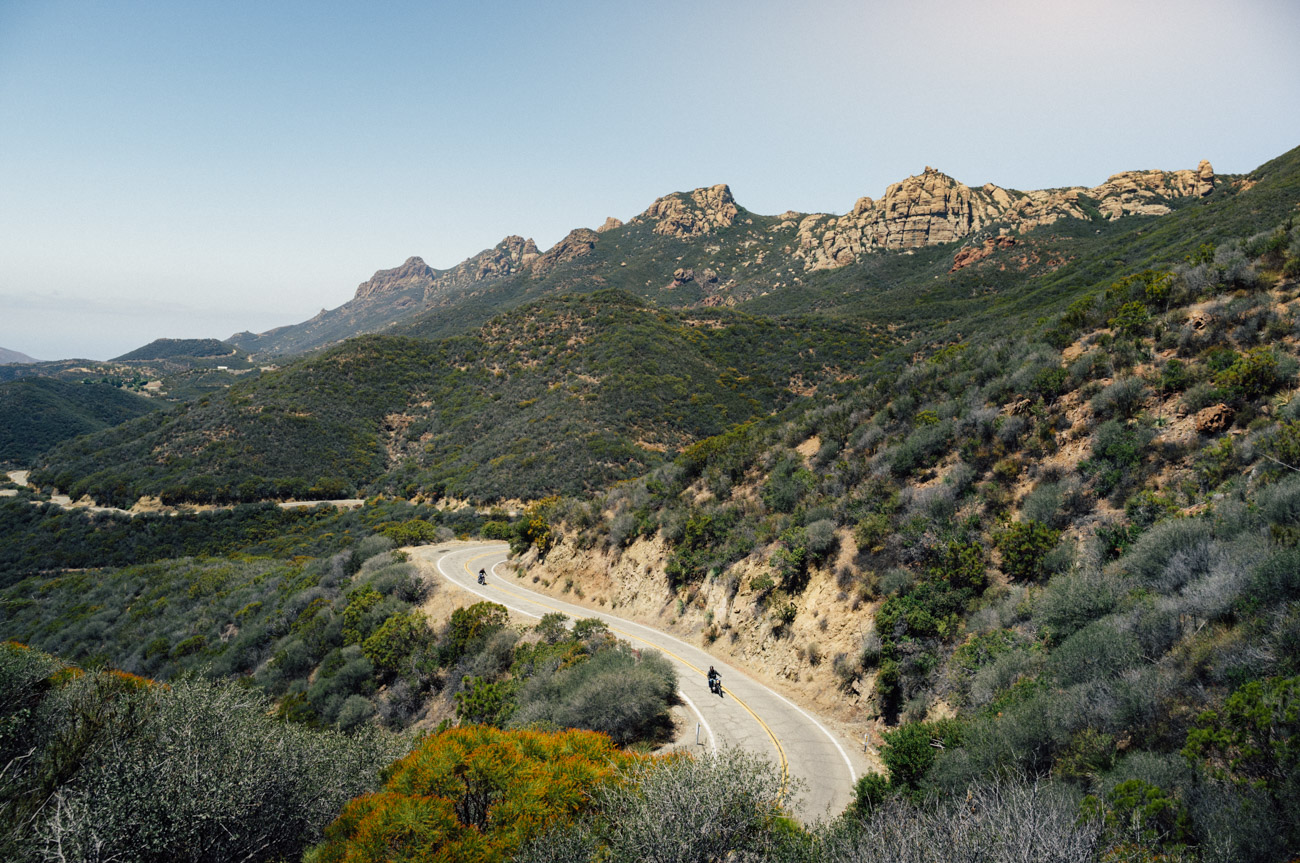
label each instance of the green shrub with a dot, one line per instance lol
(614, 692)
(1117, 453)
(1023, 546)
(871, 790)
(1255, 738)
(1098, 651)
(397, 642)
(910, 751)
(1252, 375)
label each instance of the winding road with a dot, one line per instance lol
(749, 715)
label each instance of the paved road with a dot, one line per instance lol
(749, 715)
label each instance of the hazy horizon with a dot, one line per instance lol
(191, 173)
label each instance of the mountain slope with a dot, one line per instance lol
(564, 395)
(164, 349)
(702, 247)
(37, 413)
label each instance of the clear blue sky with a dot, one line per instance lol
(195, 169)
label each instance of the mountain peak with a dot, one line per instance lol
(692, 214)
(413, 271)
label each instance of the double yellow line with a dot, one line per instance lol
(780, 750)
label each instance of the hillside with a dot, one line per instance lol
(565, 395)
(702, 248)
(1064, 553)
(164, 349)
(1020, 509)
(37, 413)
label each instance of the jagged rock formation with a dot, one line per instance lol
(576, 244)
(414, 273)
(692, 214)
(925, 210)
(933, 208)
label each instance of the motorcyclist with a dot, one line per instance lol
(715, 681)
(482, 576)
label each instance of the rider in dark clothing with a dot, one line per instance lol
(482, 577)
(715, 680)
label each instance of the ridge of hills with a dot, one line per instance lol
(566, 394)
(925, 210)
(563, 391)
(163, 349)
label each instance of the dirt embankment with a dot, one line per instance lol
(724, 617)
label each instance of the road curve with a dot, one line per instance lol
(749, 716)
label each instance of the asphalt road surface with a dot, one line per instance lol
(748, 715)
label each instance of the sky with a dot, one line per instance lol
(192, 170)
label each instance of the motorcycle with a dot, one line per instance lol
(482, 577)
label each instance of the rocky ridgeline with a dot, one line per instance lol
(691, 214)
(925, 210)
(933, 208)
(512, 255)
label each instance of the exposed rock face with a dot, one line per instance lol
(682, 276)
(507, 257)
(577, 243)
(610, 224)
(971, 254)
(692, 215)
(1204, 178)
(1214, 419)
(414, 273)
(933, 208)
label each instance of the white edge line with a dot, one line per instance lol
(713, 740)
(853, 774)
(703, 721)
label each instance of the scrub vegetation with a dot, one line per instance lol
(1062, 499)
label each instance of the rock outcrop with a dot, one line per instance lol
(414, 273)
(1214, 419)
(576, 244)
(506, 258)
(692, 214)
(971, 254)
(610, 224)
(933, 208)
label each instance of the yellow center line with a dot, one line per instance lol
(780, 750)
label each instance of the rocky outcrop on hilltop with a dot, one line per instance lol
(576, 244)
(928, 209)
(933, 208)
(692, 214)
(510, 256)
(414, 273)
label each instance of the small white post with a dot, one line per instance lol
(697, 735)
